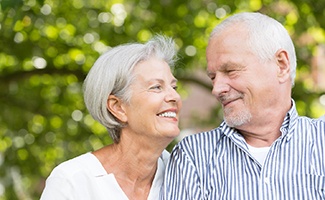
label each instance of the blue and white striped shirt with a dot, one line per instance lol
(218, 165)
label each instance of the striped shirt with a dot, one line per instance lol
(218, 165)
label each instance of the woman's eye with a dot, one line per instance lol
(175, 87)
(156, 87)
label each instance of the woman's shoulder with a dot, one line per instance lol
(85, 163)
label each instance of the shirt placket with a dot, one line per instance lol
(266, 184)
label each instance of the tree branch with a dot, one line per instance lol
(195, 80)
(19, 75)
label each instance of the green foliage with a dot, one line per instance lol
(48, 46)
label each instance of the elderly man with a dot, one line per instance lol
(263, 149)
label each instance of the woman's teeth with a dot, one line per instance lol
(168, 114)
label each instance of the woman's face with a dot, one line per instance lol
(154, 107)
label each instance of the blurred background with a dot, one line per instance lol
(48, 46)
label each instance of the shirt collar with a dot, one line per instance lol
(290, 121)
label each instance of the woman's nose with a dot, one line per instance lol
(173, 95)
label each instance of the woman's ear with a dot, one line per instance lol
(283, 63)
(114, 105)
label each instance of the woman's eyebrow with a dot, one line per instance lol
(174, 80)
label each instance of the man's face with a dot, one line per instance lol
(242, 83)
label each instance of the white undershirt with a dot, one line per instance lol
(259, 153)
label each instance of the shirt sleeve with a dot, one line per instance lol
(57, 187)
(181, 181)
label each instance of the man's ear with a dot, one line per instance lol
(283, 63)
(114, 105)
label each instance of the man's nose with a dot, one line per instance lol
(220, 86)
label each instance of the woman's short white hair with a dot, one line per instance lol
(266, 36)
(112, 74)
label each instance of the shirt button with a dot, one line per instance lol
(266, 180)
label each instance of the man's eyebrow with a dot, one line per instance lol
(221, 68)
(225, 67)
(230, 65)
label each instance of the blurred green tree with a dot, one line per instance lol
(48, 46)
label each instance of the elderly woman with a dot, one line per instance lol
(132, 92)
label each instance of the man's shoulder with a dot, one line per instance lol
(200, 143)
(307, 122)
(203, 137)
(313, 127)
(322, 118)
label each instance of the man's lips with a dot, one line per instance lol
(227, 100)
(225, 103)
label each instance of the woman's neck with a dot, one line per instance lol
(133, 164)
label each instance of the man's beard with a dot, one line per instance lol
(236, 119)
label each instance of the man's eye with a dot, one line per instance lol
(175, 87)
(230, 71)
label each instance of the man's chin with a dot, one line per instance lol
(238, 121)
